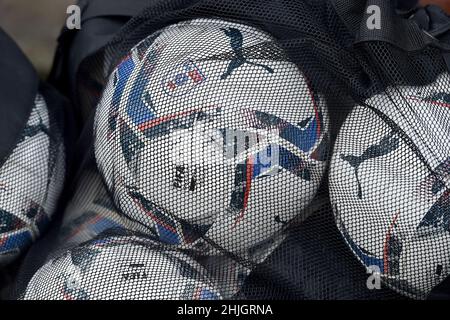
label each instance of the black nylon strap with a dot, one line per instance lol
(396, 29)
(434, 21)
(18, 88)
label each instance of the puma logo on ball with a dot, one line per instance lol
(388, 144)
(236, 42)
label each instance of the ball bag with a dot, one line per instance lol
(31, 179)
(206, 130)
(390, 185)
(121, 268)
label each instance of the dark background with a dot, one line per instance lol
(35, 26)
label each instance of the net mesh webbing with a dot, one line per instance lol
(249, 150)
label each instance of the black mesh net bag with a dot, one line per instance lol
(32, 156)
(258, 150)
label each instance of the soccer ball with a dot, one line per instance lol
(89, 214)
(31, 179)
(207, 131)
(390, 185)
(121, 268)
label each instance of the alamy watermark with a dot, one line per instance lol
(73, 21)
(200, 146)
(374, 20)
(374, 280)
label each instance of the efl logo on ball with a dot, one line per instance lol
(183, 78)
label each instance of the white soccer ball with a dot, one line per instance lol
(31, 179)
(91, 212)
(207, 130)
(390, 185)
(121, 268)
